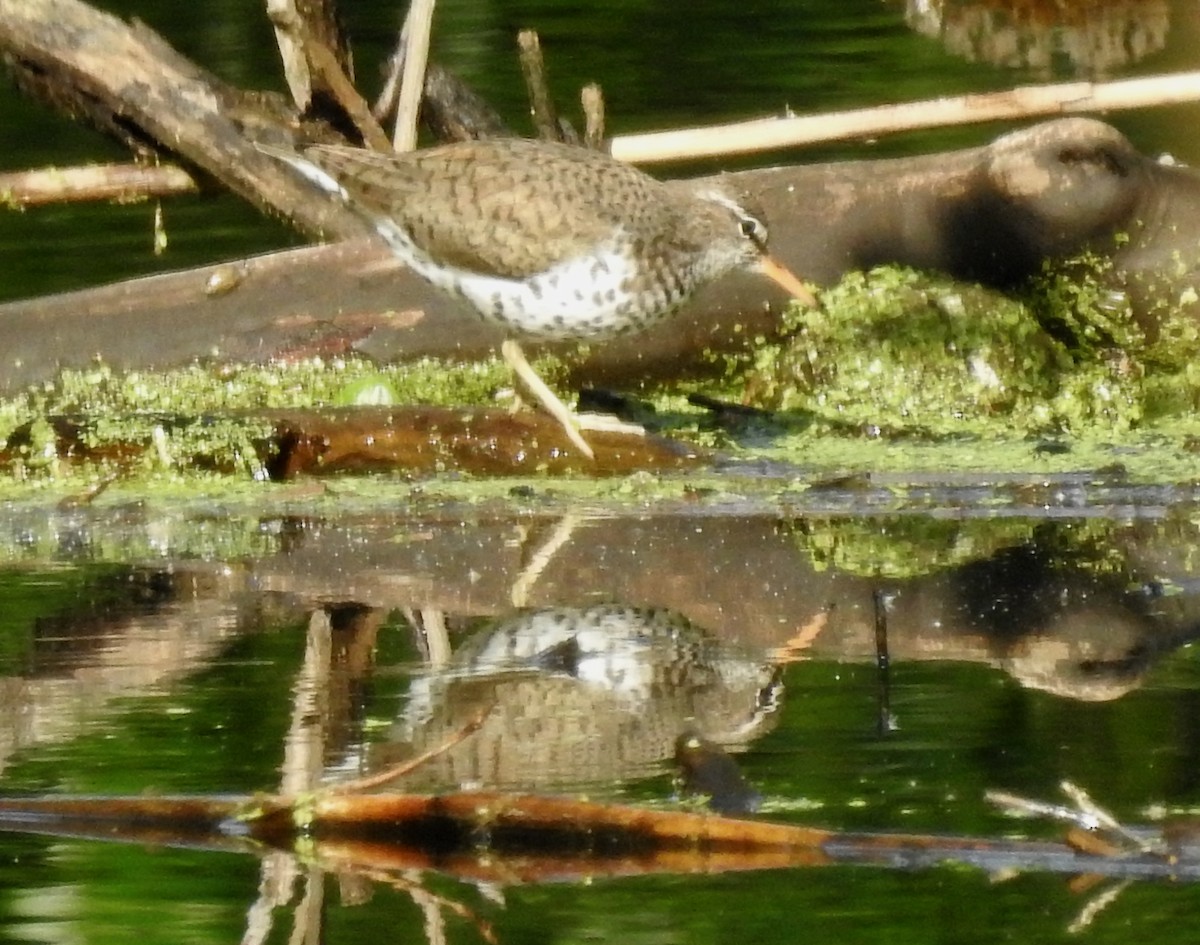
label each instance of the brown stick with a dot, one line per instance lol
(359, 112)
(592, 99)
(306, 28)
(533, 66)
(1024, 102)
(120, 182)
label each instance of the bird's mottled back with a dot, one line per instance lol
(504, 207)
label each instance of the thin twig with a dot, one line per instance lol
(326, 64)
(541, 557)
(389, 95)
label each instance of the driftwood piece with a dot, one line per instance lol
(428, 439)
(415, 45)
(119, 182)
(1035, 101)
(417, 440)
(991, 214)
(452, 110)
(550, 127)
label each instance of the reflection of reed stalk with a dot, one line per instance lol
(542, 556)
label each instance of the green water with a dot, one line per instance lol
(116, 715)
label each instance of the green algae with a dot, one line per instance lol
(196, 416)
(908, 354)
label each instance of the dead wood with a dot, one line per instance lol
(414, 42)
(305, 27)
(1034, 101)
(429, 439)
(418, 440)
(263, 307)
(452, 111)
(119, 182)
(546, 120)
(591, 98)
(128, 81)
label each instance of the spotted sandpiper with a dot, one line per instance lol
(548, 240)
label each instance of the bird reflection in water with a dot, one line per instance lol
(580, 697)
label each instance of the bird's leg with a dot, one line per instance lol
(561, 412)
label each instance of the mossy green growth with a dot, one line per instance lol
(907, 353)
(204, 414)
(1172, 360)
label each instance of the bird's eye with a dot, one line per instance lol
(753, 230)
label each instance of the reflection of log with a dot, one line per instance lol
(525, 838)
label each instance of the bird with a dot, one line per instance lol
(550, 241)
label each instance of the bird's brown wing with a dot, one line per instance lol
(505, 208)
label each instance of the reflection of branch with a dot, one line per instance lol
(1096, 905)
(398, 771)
(304, 744)
(303, 755)
(431, 903)
(307, 928)
(434, 640)
(430, 906)
(1089, 819)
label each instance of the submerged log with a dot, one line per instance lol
(416, 440)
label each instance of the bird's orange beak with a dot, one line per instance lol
(783, 277)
